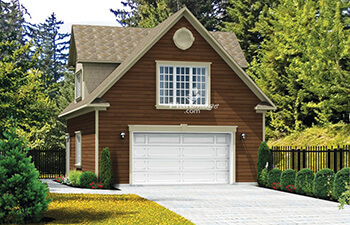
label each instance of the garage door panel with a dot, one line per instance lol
(222, 177)
(139, 151)
(139, 139)
(195, 152)
(163, 139)
(164, 165)
(222, 139)
(204, 177)
(164, 178)
(139, 178)
(139, 165)
(198, 139)
(163, 151)
(222, 152)
(199, 165)
(222, 165)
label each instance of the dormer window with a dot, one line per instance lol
(183, 85)
(78, 86)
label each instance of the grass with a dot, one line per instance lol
(108, 209)
(333, 135)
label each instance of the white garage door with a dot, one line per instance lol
(180, 158)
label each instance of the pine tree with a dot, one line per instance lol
(106, 172)
(264, 160)
(150, 13)
(243, 14)
(23, 195)
(53, 47)
(12, 23)
(303, 63)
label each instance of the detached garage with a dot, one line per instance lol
(182, 154)
(170, 102)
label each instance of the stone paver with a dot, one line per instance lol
(234, 204)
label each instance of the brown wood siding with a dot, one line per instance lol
(133, 100)
(85, 124)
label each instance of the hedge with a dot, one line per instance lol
(304, 180)
(341, 179)
(323, 183)
(288, 180)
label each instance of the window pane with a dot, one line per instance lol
(161, 69)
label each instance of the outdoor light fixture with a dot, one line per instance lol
(122, 135)
(243, 136)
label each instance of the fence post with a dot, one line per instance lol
(340, 158)
(298, 150)
(304, 158)
(335, 160)
(329, 157)
(293, 158)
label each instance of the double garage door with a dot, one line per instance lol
(180, 158)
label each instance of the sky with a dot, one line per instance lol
(87, 12)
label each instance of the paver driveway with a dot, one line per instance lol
(242, 204)
(234, 204)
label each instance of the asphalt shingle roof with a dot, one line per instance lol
(115, 44)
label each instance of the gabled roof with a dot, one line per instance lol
(115, 44)
(146, 44)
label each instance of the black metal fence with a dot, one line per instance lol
(49, 162)
(312, 157)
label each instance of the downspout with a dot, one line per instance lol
(263, 126)
(96, 142)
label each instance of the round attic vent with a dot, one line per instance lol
(183, 38)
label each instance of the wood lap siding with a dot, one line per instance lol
(85, 124)
(133, 100)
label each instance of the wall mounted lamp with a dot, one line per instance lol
(243, 136)
(122, 135)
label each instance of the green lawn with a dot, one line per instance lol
(108, 209)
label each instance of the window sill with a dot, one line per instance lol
(184, 107)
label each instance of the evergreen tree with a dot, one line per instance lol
(12, 21)
(24, 101)
(106, 172)
(53, 47)
(149, 13)
(23, 195)
(303, 63)
(264, 160)
(243, 14)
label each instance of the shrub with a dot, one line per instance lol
(263, 178)
(22, 194)
(323, 183)
(87, 178)
(74, 177)
(304, 180)
(264, 158)
(340, 181)
(273, 176)
(106, 172)
(288, 180)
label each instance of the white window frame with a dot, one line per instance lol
(78, 95)
(183, 64)
(78, 148)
